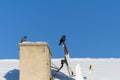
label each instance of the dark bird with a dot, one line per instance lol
(23, 39)
(62, 40)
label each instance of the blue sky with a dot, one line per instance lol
(92, 27)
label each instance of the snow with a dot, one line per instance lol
(78, 73)
(103, 69)
(9, 69)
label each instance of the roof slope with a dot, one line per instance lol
(103, 69)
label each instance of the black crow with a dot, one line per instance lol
(23, 39)
(62, 40)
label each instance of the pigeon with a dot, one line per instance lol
(23, 39)
(62, 40)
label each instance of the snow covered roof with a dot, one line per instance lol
(102, 69)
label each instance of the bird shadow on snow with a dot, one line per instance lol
(12, 75)
(61, 75)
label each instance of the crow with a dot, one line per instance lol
(23, 39)
(62, 40)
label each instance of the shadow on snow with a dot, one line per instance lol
(61, 75)
(12, 75)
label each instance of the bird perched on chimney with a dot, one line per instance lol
(62, 40)
(23, 39)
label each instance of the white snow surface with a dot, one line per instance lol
(103, 69)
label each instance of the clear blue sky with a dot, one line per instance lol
(92, 27)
